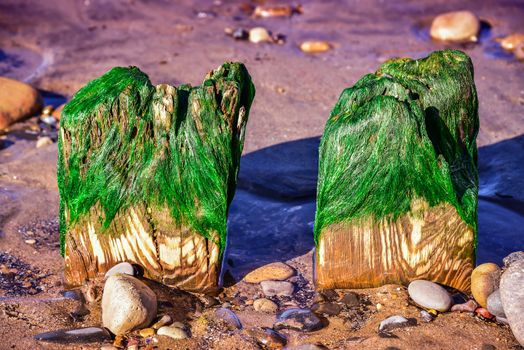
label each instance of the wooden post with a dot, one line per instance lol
(398, 180)
(146, 174)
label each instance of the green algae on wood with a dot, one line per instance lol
(398, 182)
(146, 174)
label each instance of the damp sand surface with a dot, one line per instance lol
(59, 46)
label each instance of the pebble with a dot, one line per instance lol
(265, 305)
(314, 46)
(429, 295)
(484, 281)
(512, 295)
(273, 11)
(79, 335)
(146, 332)
(240, 34)
(330, 309)
(268, 338)
(276, 271)
(123, 267)
(494, 304)
(229, 317)
(259, 35)
(163, 321)
(426, 316)
(75, 294)
(393, 322)
(510, 43)
(279, 288)
(18, 100)
(299, 319)
(173, 332)
(484, 313)
(458, 26)
(127, 304)
(30, 241)
(469, 306)
(43, 141)
(350, 299)
(379, 306)
(57, 113)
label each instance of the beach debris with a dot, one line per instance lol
(484, 281)
(18, 100)
(456, 26)
(265, 305)
(442, 226)
(127, 304)
(494, 304)
(229, 317)
(512, 258)
(327, 308)
(394, 322)
(469, 306)
(512, 295)
(276, 10)
(277, 288)
(163, 321)
(77, 335)
(277, 271)
(512, 41)
(429, 295)
(268, 338)
(426, 316)
(315, 46)
(123, 267)
(173, 332)
(260, 35)
(299, 319)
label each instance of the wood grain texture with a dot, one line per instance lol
(436, 245)
(175, 256)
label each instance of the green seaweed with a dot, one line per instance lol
(115, 154)
(406, 132)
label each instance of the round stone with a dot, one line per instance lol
(17, 101)
(259, 35)
(276, 271)
(173, 332)
(484, 281)
(457, 26)
(495, 304)
(512, 296)
(265, 305)
(429, 295)
(123, 267)
(228, 317)
(278, 288)
(127, 304)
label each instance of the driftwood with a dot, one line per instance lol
(146, 174)
(398, 181)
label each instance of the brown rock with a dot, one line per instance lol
(484, 281)
(265, 305)
(457, 26)
(58, 111)
(276, 271)
(313, 46)
(511, 41)
(17, 101)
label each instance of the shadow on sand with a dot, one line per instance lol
(272, 215)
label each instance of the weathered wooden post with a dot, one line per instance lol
(146, 174)
(398, 180)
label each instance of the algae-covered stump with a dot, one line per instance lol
(146, 174)
(398, 181)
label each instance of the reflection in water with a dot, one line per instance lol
(272, 215)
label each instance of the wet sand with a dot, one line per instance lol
(61, 45)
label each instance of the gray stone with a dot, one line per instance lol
(123, 267)
(173, 332)
(279, 288)
(298, 319)
(265, 305)
(394, 322)
(495, 304)
(513, 257)
(429, 295)
(512, 295)
(229, 317)
(79, 335)
(127, 304)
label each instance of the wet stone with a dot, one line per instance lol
(429, 295)
(484, 313)
(79, 335)
(268, 338)
(299, 319)
(277, 288)
(276, 271)
(494, 304)
(330, 309)
(394, 322)
(469, 306)
(229, 317)
(123, 267)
